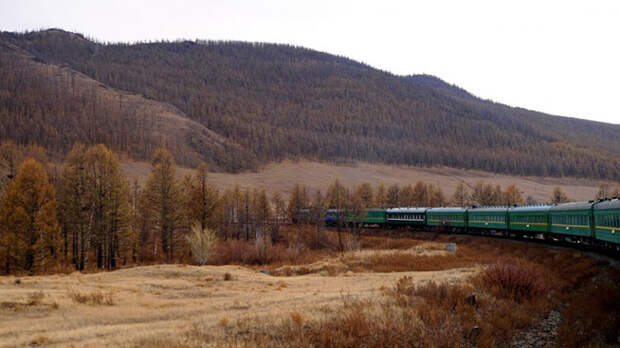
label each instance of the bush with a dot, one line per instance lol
(514, 280)
(202, 243)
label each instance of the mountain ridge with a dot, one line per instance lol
(280, 101)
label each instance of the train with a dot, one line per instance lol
(594, 223)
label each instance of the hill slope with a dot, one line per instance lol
(279, 101)
(55, 107)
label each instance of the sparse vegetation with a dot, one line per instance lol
(202, 243)
(95, 298)
(485, 294)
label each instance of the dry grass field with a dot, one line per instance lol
(317, 175)
(404, 290)
(138, 305)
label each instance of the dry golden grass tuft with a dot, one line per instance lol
(35, 298)
(95, 298)
(39, 340)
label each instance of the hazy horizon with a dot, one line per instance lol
(554, 58)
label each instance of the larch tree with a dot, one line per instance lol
(558, 196)
(202, 199)
(406, 197)
(163, 202)
(393, 196)
(95, 207)
(381, 198)
(319, 208)
(604, 191)
(420, 195)
(482, 194)
(279, 209)
(365, 195)
(297, 202)
(436, 197)
(512, 196)
(29, 230)
(262, 213)
(337, 196)
(461, 195)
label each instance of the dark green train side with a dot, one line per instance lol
(594, 222)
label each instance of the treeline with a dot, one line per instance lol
(87, 214)
(279, 101)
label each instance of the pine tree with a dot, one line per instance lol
(30, 233)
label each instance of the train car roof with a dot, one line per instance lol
(573, 206)
(407, 210)
(488, 210)
(608, 204)
(446, 210)
(532, 208)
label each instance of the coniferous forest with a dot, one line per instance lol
(237, 105)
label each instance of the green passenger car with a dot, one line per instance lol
(607, 221)
(530, 218)
(572, 219)
(406, 216)
(452, 217)
(368, 217)
(494, 218)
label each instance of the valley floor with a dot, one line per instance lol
(318, 175)
(152, 302)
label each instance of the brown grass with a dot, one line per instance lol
(513, 279)
(393, 292)
(95, 298)
(282, 177)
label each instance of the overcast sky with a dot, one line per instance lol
(560, 57)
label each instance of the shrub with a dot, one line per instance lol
(202, 243)
(512, 279)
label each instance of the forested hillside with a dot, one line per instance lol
(267, 102)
